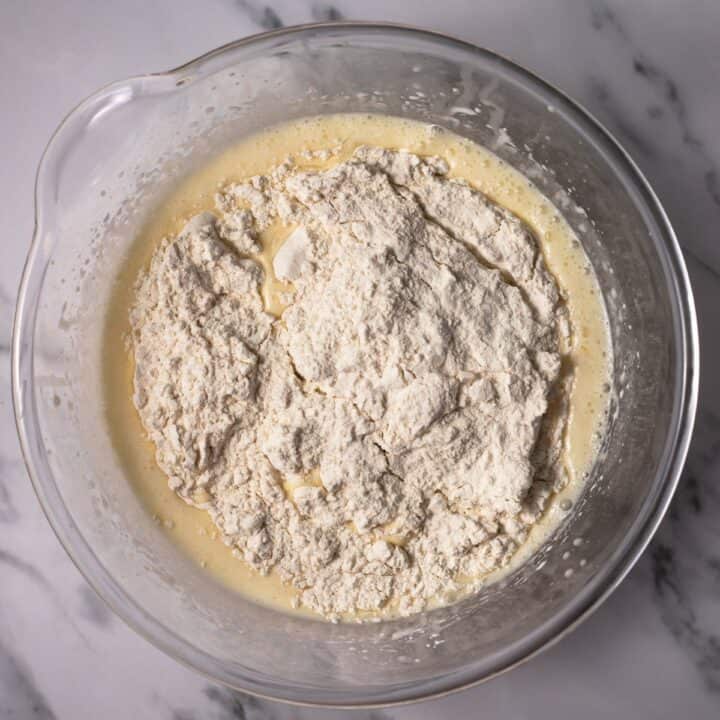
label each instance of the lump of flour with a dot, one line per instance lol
(390, 434)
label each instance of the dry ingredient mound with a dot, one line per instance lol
(398, 429)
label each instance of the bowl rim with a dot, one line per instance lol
(164, 638)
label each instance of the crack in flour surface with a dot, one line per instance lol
(393, 435)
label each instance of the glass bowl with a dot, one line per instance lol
(114, 158)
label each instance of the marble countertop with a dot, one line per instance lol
(649, 70)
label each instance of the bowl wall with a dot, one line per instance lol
(112, 161)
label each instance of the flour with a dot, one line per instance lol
(399, 428)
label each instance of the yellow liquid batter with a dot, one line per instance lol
(590, 353)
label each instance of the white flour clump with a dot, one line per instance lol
(399, 428)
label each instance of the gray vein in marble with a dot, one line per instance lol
(680, 618)
(237, 706)
(234, 705)
(669, 90)
(20, 697)
(655, 112)
(694, 256)
(600, 92)
(684, 556)
(603, 17)
(703, 459)
(321, 12)
(685, 559)
(93, 608)
(29, 571)
(8, 512)
(184, 715)
(7, 306)
(262, 15)
(26, 568)
(712, 185)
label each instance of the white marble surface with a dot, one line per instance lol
(649, 69)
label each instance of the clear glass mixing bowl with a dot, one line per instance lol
(111, 162)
